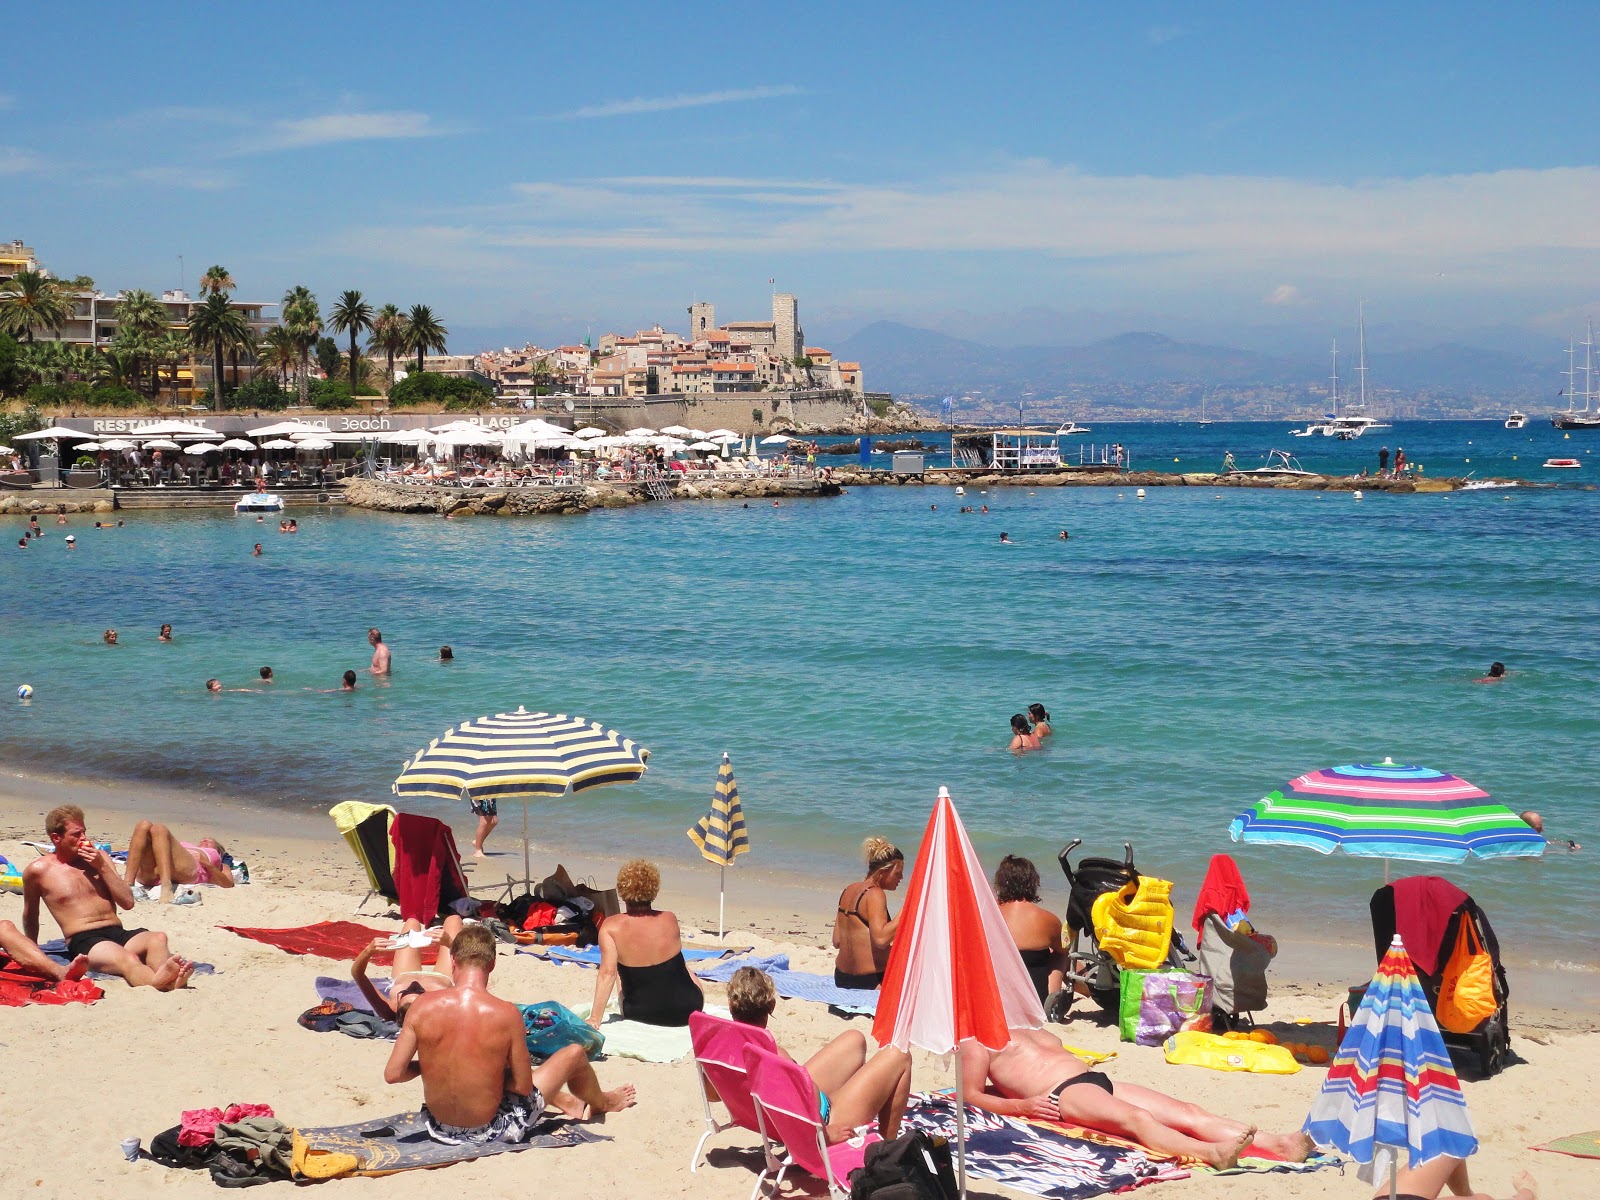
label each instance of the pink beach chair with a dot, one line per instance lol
(788, 1111)
(719, 1046)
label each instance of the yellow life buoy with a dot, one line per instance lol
(1134, 925)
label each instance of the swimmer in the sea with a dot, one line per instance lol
(1040, 719)
(1497, 672)
(1006, 538)
(1022, 736)
(1065, 536)
(1536, 823)
(166, 634)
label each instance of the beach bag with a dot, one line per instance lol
(166, 1149)
(551, 1026)
(915, 1166)
(1194, 1049)
(1466, 990)
(1158, 1004)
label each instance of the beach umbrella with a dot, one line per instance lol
(238, 444)
(90, 446)
(201, 448)
(284, 429)
(697, 434)
(639, 432)
(724, 439)
(313, 444)
(721, 834)
(174, 429)
(704, 446)
(1392, 1088)
(279, 444)
(162, 444)
(521, 756)
(57, 432)
(589, 431)
(777, 439)
(676, 430)
(954, 971)
(1387, 810)
(6, 450)
(722, 433)
(116, 444)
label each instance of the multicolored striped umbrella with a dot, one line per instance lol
(1392, 1087)
(721, 834)
(515, 756)
(1387, 810)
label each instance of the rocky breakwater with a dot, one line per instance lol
(739, 487)
(466, 502)
(55, 500)
(1147, 479)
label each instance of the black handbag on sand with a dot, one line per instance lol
(914, 1166)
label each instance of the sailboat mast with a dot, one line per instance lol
(1588, 366)
(1571, 372)
(1336, 377)
(1361, 370)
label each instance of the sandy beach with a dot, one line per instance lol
(81, 1078)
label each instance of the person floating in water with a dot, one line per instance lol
(266, 674)
(446, 654)
(1536, 823)
(256, 553)
(109, 637)
(1006, 538)
(1041, 720)
(1023, 737)
(1497, 672)
(1065, 536)
(166, 634)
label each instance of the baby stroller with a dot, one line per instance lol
(1427, 911)
(1088, 966)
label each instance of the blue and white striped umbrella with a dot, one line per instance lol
(518, 756)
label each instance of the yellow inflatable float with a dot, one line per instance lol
(1134, 925)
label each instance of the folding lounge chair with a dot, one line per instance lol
(719, 1047)
(366, 828)
(788, 1112)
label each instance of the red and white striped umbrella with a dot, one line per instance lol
(954, 972)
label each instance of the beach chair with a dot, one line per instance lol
(366, 828)
(789, 1114)
(719, 1047)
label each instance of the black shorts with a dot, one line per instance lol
(83, 941)
(857, 983)
(1097, 1079)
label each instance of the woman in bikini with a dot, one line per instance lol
(410, 978)
(642, 948)
(1040, 719)
(863, 931)
(1022, 735)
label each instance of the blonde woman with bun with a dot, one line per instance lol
(863, 931)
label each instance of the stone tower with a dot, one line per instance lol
(790, 339)
(702, 319)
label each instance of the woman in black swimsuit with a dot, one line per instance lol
(1036, 930)
(643, 948)
(863, 931)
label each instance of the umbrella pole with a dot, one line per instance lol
(527, 855)
(961, 1127)
(722, 883)
(1394, 1177)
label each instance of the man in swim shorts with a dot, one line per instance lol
(488, 814)
(80, 885)
(470, 1049)
(380, 652)
(156, 856)
(1035, 1076)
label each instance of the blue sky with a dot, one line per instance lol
(1041, 172)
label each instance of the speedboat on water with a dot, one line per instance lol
(1312, 428)
(258, 502)
(1517, 420)
(1280, 465)
(1562, 462)
(1072, 429)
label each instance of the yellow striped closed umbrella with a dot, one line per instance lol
(515, 756)
(721, 834)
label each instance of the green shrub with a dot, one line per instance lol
(11, 374)
(261, 393)
(67, 395)
(329, 394)
(443, 391)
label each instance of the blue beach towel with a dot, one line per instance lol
(796, 985)
(589, 956)
(58, 951)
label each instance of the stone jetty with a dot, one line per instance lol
(559, 499)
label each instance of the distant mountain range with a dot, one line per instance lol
(1161, 372)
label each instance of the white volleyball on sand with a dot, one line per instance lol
(25, 692)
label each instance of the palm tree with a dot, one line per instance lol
(389, 335)
(169, 350)
(424, 332)
(351, 315)
(43, 362)
(303, 319)
(278, 352)
(118, 368)
(32, 300)
(216, 279)
(213, 324)
(141, 318)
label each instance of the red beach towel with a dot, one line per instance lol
(426, 865)
(18, 988)
(1223, 892)
(1423, 905)
(327, 939)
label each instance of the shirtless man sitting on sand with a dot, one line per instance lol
(1036, 1077)
(471, 1050)
(83, 891)
(25, 953)
(157, 857)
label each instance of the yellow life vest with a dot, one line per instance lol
(1134, 925)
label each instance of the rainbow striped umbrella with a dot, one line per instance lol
(514, 756)
(720, 834)
(1392, 1087)
(1387, 810)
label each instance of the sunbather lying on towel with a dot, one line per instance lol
(1035, 1076)
(80, 885)
(853, 1090)
(17, 948)
(471, 1050)
(1429, 1181)
(156, 856)
(410, 978)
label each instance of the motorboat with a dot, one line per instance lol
(258, 502)
(1517, 420)
(1072, 429)
(1280, 465)
(1312, 428)
(1567, 463)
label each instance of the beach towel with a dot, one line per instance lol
(345, 991)
(1041, 1161)
(1578, 1145)
(589, 956)
(427, 873)
(327, 939)
(647, 1043)
(58, 951)
(796, 985)
(401, 1143)
(18, 988)
(1258, 1163)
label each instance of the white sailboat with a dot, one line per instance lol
(1574, 417)
(1353, 422)
(1324, 426)
(1204, 420)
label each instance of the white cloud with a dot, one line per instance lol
(655, 104)
(331, 128)
(1160, 35)
(1284, 295)
(16, 161)
(197, 178)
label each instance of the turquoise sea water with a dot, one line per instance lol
(1196, 649)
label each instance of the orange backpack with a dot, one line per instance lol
(1466, 990)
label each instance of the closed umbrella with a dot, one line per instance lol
(721, 834)
(518, 756)
(1392, 1089)
(954, 971)
(1387, 810)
